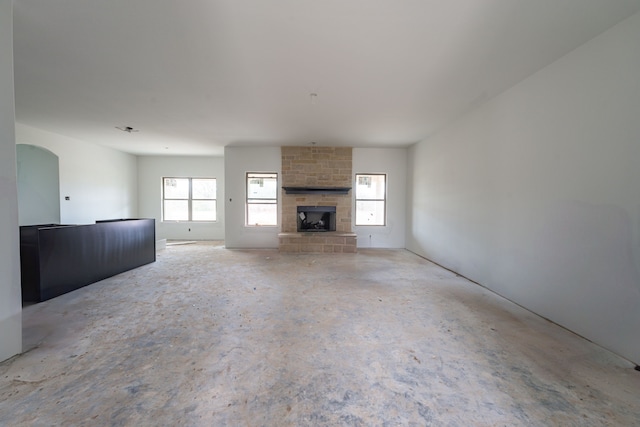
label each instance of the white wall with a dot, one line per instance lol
(100, 182)
(10, 297)
(151, 170)
(393, 162)
(38, 186)
(536, 194)
(237, 162)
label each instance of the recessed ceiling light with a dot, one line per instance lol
(128, 129)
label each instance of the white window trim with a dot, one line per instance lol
(384, 199)
(247, 198)
(189, 200)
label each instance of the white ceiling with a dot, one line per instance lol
(194, 76)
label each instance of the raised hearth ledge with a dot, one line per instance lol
(316, 233)
(314, 242)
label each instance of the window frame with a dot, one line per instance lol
(383, 200)
(189, 200)
(248, 199)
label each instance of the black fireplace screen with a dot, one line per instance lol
(316, 218)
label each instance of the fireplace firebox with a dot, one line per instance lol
(316, 218)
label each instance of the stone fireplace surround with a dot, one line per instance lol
(325, 172)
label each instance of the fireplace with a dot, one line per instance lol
(316, 218)
(316, 204)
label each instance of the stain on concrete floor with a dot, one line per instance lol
(208, 336)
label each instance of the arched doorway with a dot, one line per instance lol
(38, 185)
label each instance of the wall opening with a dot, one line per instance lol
(38, 185)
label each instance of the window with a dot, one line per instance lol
(371, 199)
(188, 199)
(262, 199)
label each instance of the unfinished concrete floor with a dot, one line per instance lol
(213, 337)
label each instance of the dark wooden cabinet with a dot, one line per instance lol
(56, 259)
